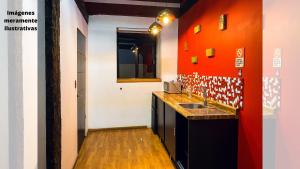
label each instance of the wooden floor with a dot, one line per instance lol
(123, 149)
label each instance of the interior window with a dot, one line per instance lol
(136, 55)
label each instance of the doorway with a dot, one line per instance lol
(81, 87)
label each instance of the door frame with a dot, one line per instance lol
(52, 77)
(86, 82)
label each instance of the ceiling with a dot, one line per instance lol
(142, 8)
(146, 8)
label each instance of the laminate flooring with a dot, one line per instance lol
(123, 149)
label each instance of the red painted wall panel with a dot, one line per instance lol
(244, 29)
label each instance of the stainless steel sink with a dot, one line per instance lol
(193, 106)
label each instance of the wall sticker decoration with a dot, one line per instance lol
(197, 29)
(223, 22)
(210, 52)
(194, 59)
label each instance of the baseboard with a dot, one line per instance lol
(117, 128)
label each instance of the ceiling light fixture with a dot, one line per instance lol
(155, 28)
(134, 49)
(166, 17)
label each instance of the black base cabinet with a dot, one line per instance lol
(207, 144)
(212, 144)
(181, 142)
(154, 114)
(197, 144)
(160, 110)
(170, 131)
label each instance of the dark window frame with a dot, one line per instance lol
(136, 78)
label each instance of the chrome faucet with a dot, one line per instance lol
(204, 95)
(189, 91)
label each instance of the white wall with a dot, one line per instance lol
(29, 53)
(4, 141)
(41, 87)
(28, 95)
(70, 20)
(108, 106)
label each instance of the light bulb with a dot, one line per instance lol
(155, 31)
(166, 17)
(155, 28)
(166, 20)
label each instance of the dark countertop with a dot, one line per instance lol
(216, 111)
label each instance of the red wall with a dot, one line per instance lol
(244, 29)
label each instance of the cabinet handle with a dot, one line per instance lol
(174, 131)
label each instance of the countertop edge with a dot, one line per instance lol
(228, 116)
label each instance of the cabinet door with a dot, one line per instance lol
(170, 132)
(161, 119)
(212, 144)
(154, 115)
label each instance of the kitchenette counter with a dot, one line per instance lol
(214, 110)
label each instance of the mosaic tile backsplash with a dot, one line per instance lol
(271, 92)
(226, 90)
